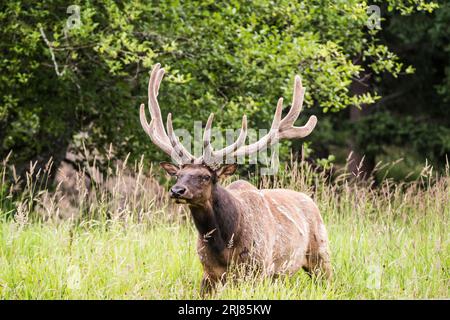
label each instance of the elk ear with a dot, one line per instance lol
(226, 170)
(170, 168)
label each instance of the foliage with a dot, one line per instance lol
(381, 129)
(228, 57)
(413, 112)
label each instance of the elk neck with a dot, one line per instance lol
(217, 220)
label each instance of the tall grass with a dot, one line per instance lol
(118, 237)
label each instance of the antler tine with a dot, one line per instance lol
(297, 103)
(288, 130)
(277, 118)
(218, 155)
(143, 119)
(155, 130)
(154, 82)
(178, 147)
(207, 148)
(300, 132)
(149, 129)
(156, 124)
(159, 77)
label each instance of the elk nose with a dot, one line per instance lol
(177, 191)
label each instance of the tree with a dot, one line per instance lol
(413, 113)
(229, 57)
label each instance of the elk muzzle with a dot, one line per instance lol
(178, 193)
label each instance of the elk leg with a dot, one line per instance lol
(324, 264)
(319, 265)
(207, 286)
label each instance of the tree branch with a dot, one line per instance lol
(58, 73)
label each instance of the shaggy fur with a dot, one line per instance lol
(271, 231)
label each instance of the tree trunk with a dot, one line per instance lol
(360, 165)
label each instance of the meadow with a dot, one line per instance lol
(125, 240)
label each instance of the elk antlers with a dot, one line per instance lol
(169, 143)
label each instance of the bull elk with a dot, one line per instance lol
(277, 230)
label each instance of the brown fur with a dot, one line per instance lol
(272, 231)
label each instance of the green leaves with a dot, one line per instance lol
(224, 57)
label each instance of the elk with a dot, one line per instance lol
(274, 231)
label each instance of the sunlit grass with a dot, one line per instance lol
(381, 259)
(390, 242)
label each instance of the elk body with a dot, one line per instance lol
(271, 231)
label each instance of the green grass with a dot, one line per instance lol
(390, 242)
(379, 259)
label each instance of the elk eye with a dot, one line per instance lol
(206, 178)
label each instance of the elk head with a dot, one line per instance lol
(196, 176)
(195, 182)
